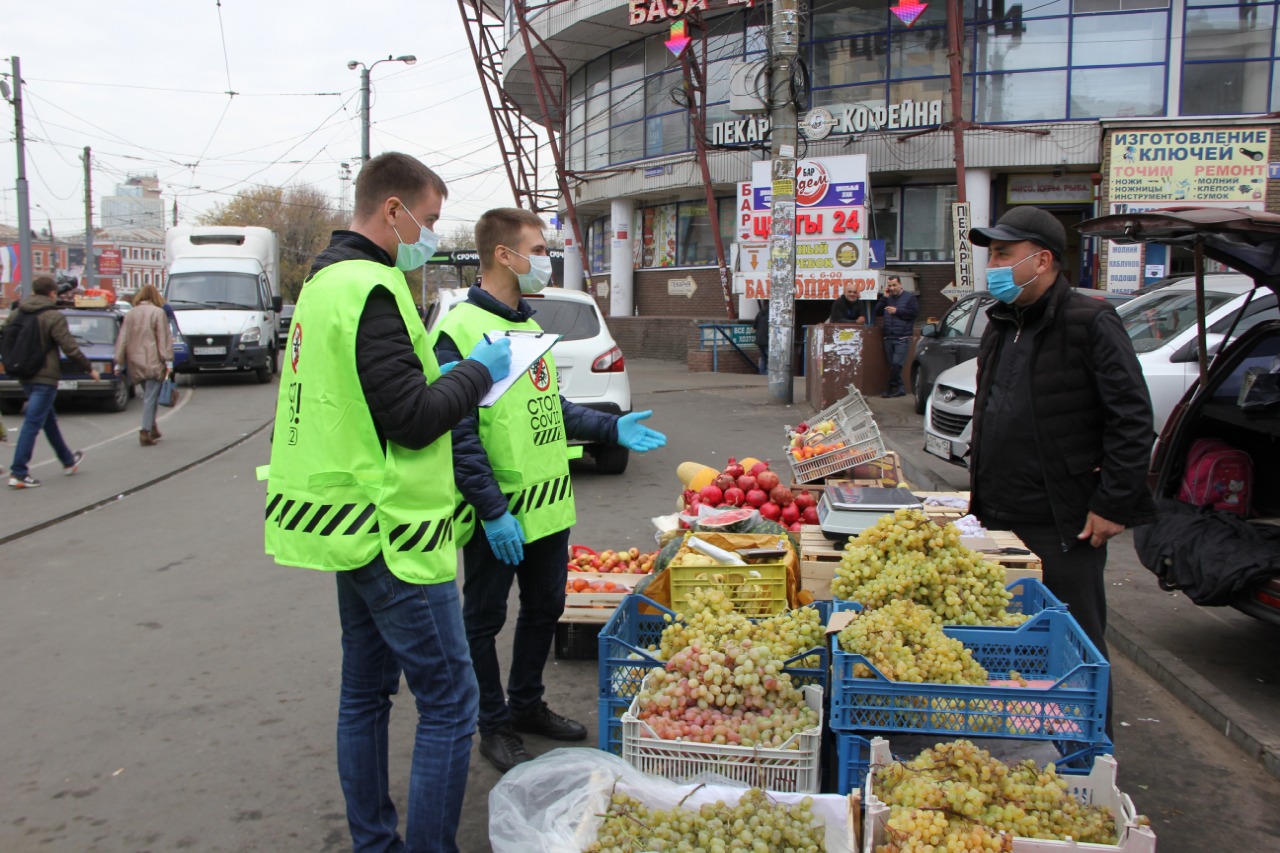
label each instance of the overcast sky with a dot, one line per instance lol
(144, 82)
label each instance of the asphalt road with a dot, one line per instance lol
(167, 687)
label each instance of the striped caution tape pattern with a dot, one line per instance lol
(540, 494)
(341, 519)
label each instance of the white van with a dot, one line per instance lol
(224, 285)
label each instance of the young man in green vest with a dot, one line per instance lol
(361, 484)
(512, 467)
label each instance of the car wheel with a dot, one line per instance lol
(119, 399)
(11, 405)
(267, 370)
(918, 388)
(611, 458)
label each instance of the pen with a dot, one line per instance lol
(486, 339)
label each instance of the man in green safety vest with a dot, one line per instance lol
(361, 484)
(512, 466)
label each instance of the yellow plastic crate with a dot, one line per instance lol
(757, 590)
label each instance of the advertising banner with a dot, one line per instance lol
(109, 262)
(1189, 165)
(811, 285)
(963, 248)
(1050, 189)
(830, 198)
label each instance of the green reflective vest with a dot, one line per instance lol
(335, 498)
(522, 433)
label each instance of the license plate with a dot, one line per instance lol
(68, 384)
(210, 351)
(937, 445)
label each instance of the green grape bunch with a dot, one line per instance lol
(906, 555)
(905, 642)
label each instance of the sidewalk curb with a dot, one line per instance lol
(1210, 703)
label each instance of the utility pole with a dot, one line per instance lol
(784, 42)
(364, 115)
(954, 59)
(90, 274)
(24, 198)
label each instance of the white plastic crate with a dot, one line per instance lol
(1096, 789)
(789, 770)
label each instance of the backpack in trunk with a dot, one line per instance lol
(1218, 476)
(21, 349)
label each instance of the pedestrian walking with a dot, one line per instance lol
(361, 484)
(145, 349)
(51, 335)
(898, 308)
(512, 465)
(1062, 426)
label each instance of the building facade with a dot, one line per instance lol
(1053, 88)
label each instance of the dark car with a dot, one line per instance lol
(1222, 403)
(955, 339)
(95, 331)
(282, 328)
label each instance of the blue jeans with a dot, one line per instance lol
(895, 350)
(487, 585)
(150, 398)
(39, 417)
(388, 627)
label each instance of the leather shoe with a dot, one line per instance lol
(543, 721)
(504, 749)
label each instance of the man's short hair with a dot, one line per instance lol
(44, 286)
(501, 227)
(394, 174)
(894, 278)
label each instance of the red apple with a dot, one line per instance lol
(746, 482)
(767, 480)
(771, 510)
(756, 498)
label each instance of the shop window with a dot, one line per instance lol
(872, 95)
(1034, 44)
(668, 134)
(1107, 92)
(627, 142)
(757, 28)
(627, 103)
(1084, 7)
(1120, 39)
(1218, 88)
(724, 38)
(932, 89)
(658, 236)
(884, 219)
(628, 65)
(695, 241)
(598, 150)
(857, 59)
(657, 93)
(600, 245)
(1013, 10)
(598, 77)
(858, 16)
(657, 57)
(1233, 32)
(919, 53)
(1026, 96)
(926, 223)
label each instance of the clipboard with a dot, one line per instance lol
(526, 349)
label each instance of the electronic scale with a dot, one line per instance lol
(846, 510)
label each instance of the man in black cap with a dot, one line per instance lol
(1062, 426)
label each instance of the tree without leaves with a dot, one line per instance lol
(301, 216)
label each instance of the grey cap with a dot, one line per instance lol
(1025, 223)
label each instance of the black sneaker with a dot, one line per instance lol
(504, 749)
(78, 456)
(546, 722)
(27, 482)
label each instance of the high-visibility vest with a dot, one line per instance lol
(522, 433)
(335, 497)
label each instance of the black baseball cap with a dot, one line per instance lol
(1025, 223)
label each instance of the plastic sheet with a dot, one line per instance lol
(553, 804)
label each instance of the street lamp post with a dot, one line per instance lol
(365, 71)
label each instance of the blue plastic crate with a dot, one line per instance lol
(1030, 596)
(625, 659)
(1049, 647)
(853, 758)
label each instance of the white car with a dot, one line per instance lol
(1162, 326)
(589, 364)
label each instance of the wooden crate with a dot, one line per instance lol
(596, 607)
(819, 557)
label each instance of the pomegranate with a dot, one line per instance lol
(790, 514)
(805, 500)
(757, 468)
(734, 496)
(780, 495)
(689, 496)
(771, 510)
(746, 482)
(733, 469)
(795, 528)
(767, 480)
(723, 482)
(809, 515)
(712, 495)
(756, 498)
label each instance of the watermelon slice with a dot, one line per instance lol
(735, 520)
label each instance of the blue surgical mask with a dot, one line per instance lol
(538, 275)
(410, 256)
(1001, 285)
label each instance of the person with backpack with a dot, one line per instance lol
(29, 346)
(1062, 426)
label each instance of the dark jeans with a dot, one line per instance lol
(390, 626)
(895, 350)
(39, 416)
(486, 587)
(1078, 578)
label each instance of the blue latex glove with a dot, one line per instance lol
(634, 435)
(506, 538)
(496, 356)
(447, 366)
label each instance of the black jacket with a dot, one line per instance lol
(404, 407)
(1091, 427)
(846, 311)
(471, 469)
(899, 323)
